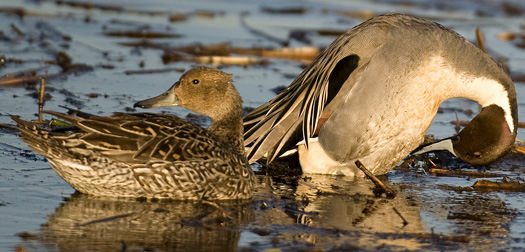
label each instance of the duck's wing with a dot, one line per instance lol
(128, 138)
(175, 139)
(296, 113)
(277, 125)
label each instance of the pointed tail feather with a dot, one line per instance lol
(36, 137)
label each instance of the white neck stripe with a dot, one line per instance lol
(483, 90)
(488, 92)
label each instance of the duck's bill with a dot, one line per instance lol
(166, 99)
(441, 145)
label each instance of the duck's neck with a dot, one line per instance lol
(229, 126)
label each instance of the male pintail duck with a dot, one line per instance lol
(373, 93)
(155, 155)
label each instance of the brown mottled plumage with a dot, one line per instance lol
(155, 155)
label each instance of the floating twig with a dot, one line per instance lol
(303, 53)
(462, 173)
(459, 123)
(457, 189)
(32, 79)
(145, 43)
(389, 193)
(506, 185)
(223, 52)
(457, 127)
(141, 34)
(27, 235)
(89, 5)
(480, 40)
(41, 99)
(153, 71)
(520, 148)
(507, 36)
(205, 14)
(17, 30)
(30, 76)
(25, 79)
(289, 10)
(405, 222)
(21, 12)
(228, 60)
(178, 17)
(171, 56)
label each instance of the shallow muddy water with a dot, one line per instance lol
(116, 53)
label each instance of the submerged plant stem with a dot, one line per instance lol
(389, 192)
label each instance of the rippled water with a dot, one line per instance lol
(308, 213)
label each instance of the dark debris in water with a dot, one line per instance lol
(278, 89)
(286, 167)
(224, 53)
(380, 188)
(27, 235)
(289, 10)
(89, 5)
(463, 173)
(481, 215)
(145, 43)
(154, 71)
(31, 76)
(72, 99)
(141, 34)
(506, 184)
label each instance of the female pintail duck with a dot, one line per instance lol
(155, 155)
(372, 94)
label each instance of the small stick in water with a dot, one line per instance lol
(389, 193)
(480, 40)
(41, 99)
(405, 222)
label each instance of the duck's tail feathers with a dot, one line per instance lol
(35, 136)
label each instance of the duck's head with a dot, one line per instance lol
(483, 140)
(203, 90)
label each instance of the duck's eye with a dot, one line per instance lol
(195, 81)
